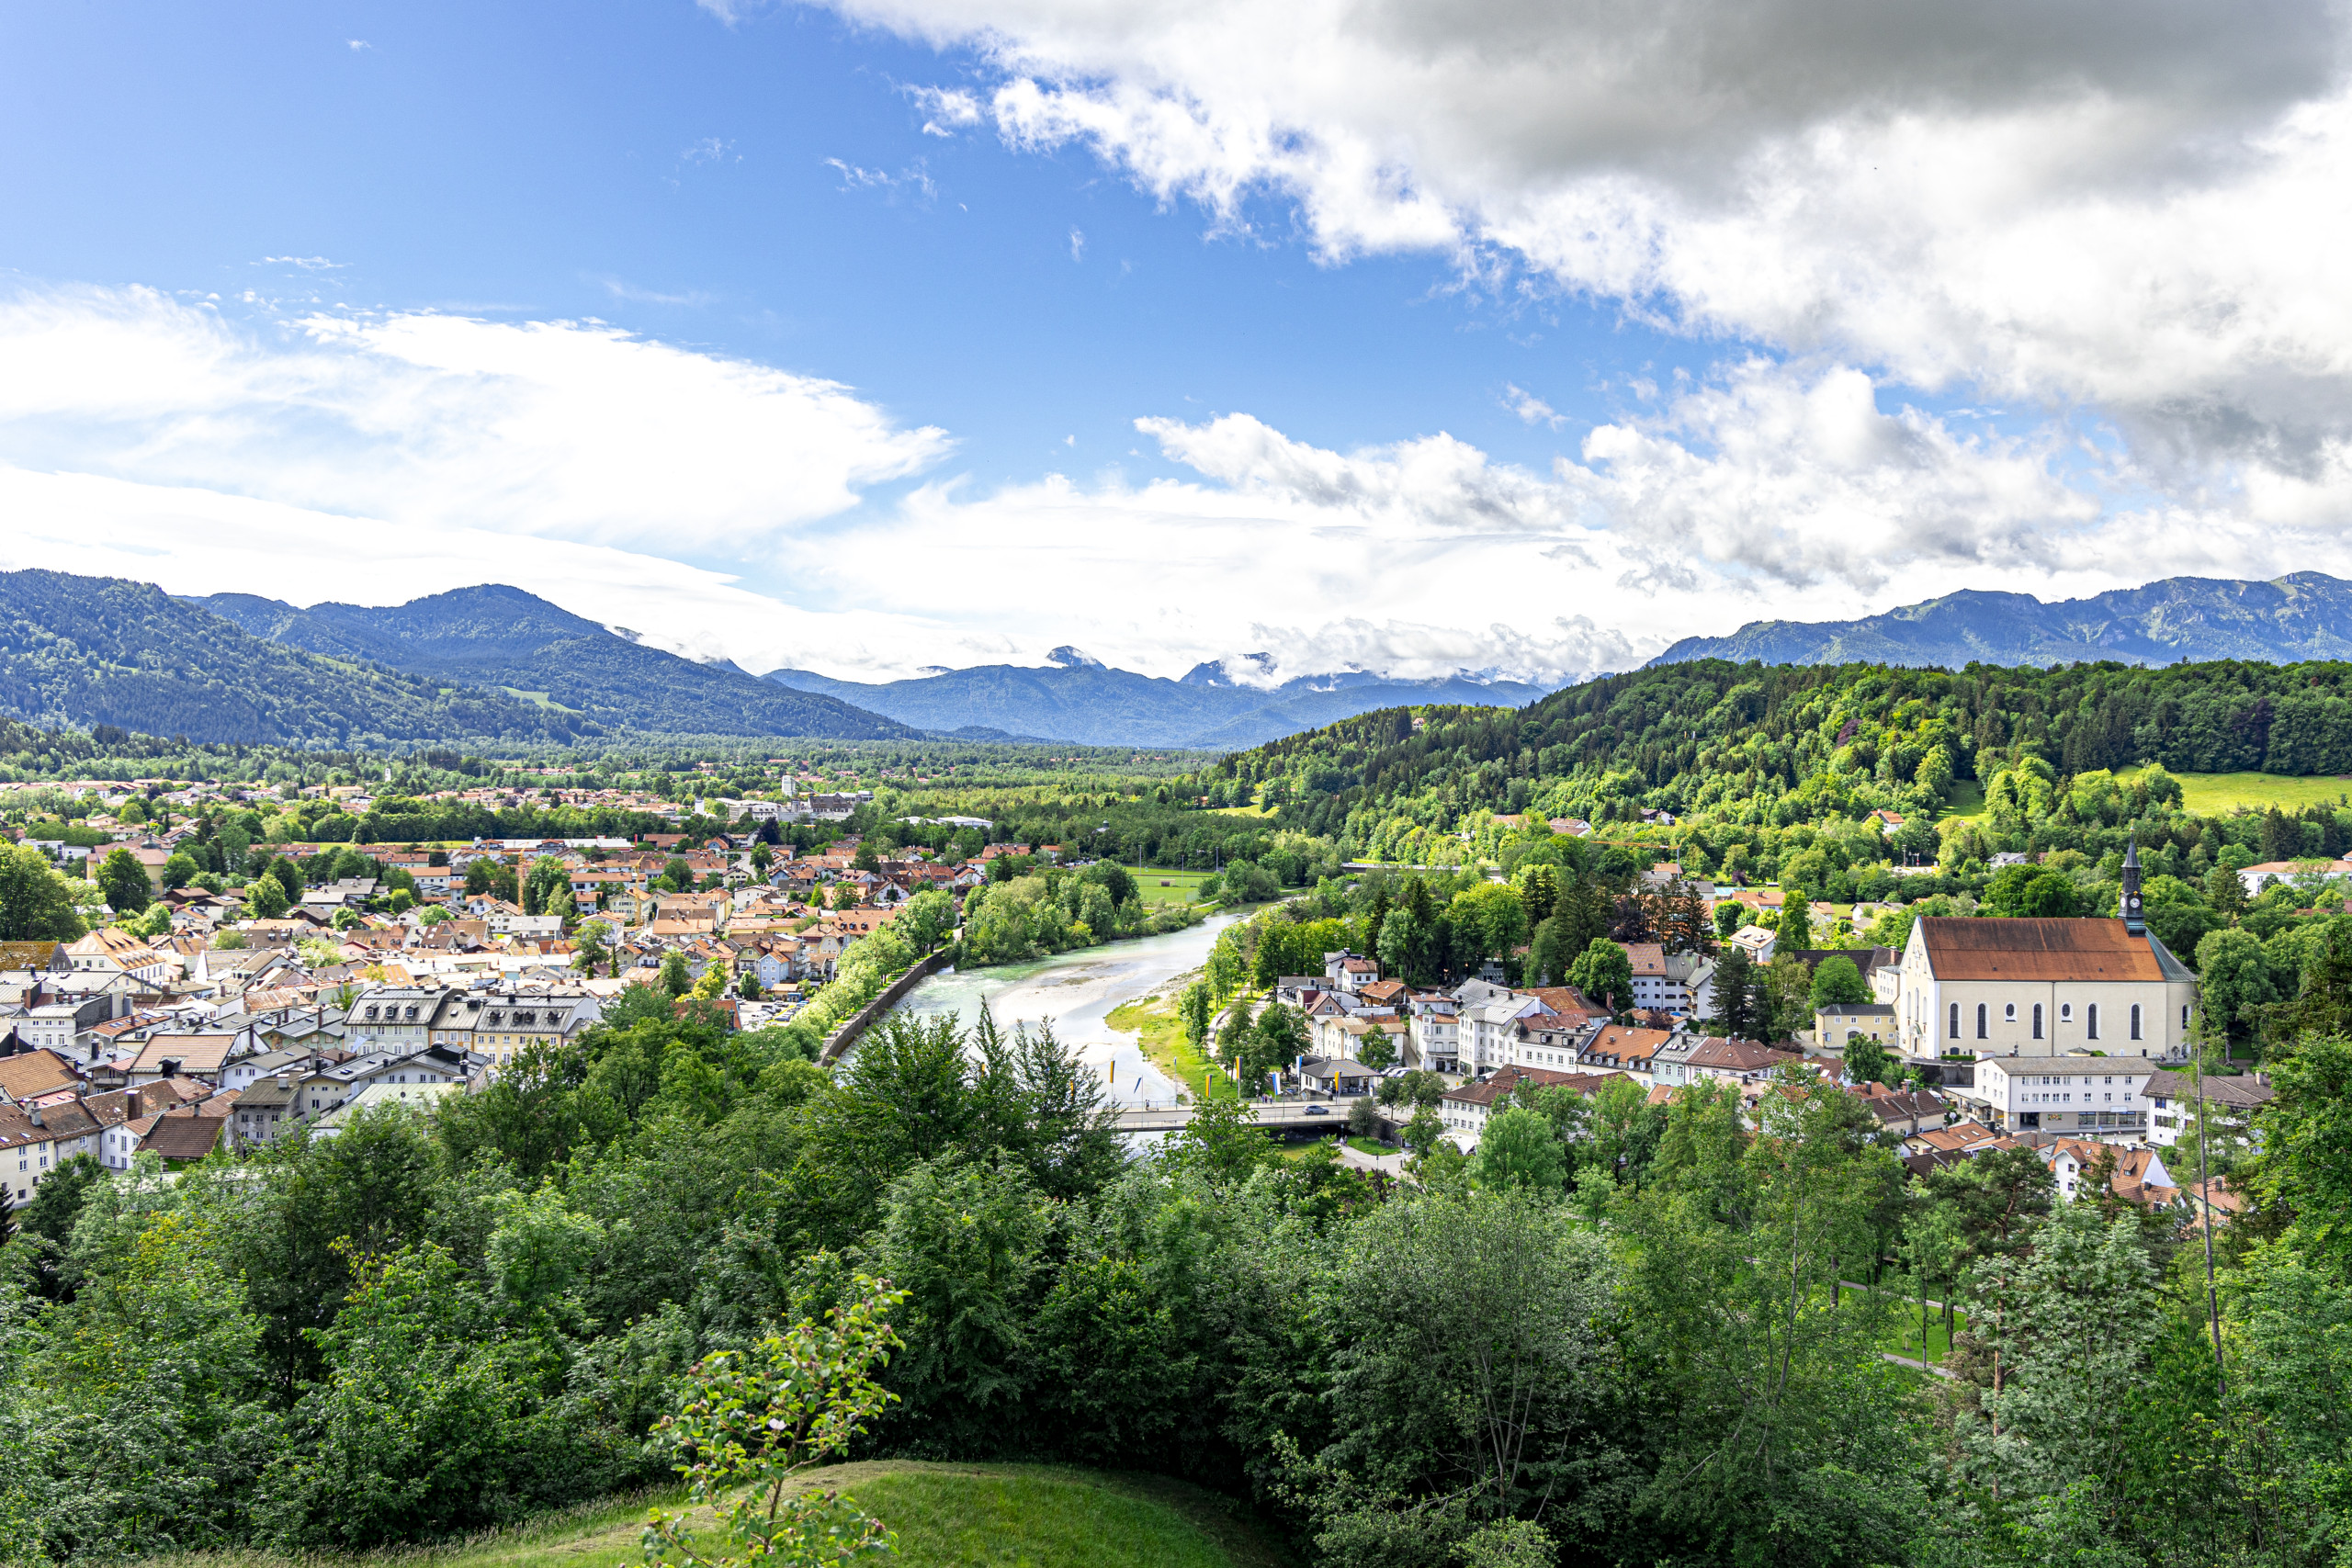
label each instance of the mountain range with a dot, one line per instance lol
(497, 663)
(1078, 698)
(2305, 615)
(518, 643)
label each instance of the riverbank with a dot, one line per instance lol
(1158, 1028)
(1075, 992)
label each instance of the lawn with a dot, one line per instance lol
(946, 1516)
(1965, 798)
(2213, 794)
(1903, 1338)
(1169, 886)
(1156, 1023)
(1372, 1147)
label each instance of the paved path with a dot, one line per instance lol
(1283, 1113)
(1927, 1366)
(1388, 1165)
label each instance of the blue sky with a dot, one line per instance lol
(1693, 369)
(655, 167)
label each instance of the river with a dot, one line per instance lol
(1077, 991)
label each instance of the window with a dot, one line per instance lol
(2184, 1017)
(2090, 1019)
(2135, 1020)
(1981, 1030)
(2037, 1021)
(2066, 1012)
(2009, 1014)
(1955, 1020)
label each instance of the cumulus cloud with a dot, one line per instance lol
(564, 428)
(2046, 199)
(380, 457)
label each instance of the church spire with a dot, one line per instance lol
(2129, 909)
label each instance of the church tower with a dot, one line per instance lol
(2130, 902)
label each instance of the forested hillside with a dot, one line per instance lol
(1788, 743)
(96, 650)
(504, 637)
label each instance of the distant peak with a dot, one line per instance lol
(1069, 657)
(625, 633)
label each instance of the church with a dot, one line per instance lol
(2035, 987)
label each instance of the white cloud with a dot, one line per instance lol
(1529, 408)
(1076, 245)
(2049, 199)
(308, 264)
(377, 459)
(945, 110)
(562, 428)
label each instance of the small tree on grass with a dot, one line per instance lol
(1364, 1117)
(752, 1420)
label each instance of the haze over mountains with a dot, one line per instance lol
(496, 663)
(2305, 615)
(1078, 698)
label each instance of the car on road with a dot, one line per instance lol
(1318, 1111)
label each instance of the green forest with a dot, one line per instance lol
(1623, 1333)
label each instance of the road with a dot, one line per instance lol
(1269, 1114)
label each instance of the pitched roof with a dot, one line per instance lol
(1628, 1045)
(194, 1052)
(1740, 1055)
(2239, 1093)
(32, 1073)
(1962, 948)
(1499, 1087)
(183, 1136)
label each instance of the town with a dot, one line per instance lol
(337, 977)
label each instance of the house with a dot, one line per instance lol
(29, 1152)
(1630, 1051)
(35, 1073)
(185, 1134)
(200, 1056)
(2077, 1093)
(1433, 1042)
(1349, 972)
(271, 1105)
(2043, 987)
(1463, 1111)
(1489, 1016)
(374, 1095)
(1757, 942)
(1888, 823)
(2140, 1174)
(69, 1027)
(1336, 1076)
(398, 1019)
(2254, 878)
(1835, 1023)
(1902, 1112)
(2229, 1103)
(1345, 1038)
(1734, 1061)
(1964, 1139)
(499, 1025)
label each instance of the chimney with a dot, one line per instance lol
(36, 1115)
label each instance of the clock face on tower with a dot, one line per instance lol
(2135, 902)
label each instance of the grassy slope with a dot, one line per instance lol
(2213, 794)
(946, 1516)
